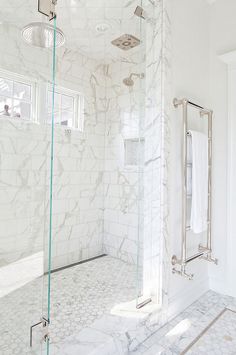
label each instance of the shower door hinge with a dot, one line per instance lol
(45, 324)
(47, 8)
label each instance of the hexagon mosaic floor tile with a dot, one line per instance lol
(86, 293)
(79, 295)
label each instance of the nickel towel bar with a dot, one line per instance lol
(204, 252)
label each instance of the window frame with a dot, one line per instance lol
(15, 77)
(39, 95)
(78, 107)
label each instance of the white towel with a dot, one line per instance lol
(189, 166)
(199, 207)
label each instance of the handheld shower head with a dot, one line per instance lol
(130, 82)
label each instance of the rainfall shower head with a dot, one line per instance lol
(129, 81)
(41, 34)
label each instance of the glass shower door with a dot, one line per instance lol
(25, 141)
(149, 107)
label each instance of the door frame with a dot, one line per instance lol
(230, 60)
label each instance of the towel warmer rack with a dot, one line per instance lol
(204, 252)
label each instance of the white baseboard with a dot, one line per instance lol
(220, 285)
(185, 298)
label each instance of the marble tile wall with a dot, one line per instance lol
(140, 195)
(78, 167)
(123, 181)
(100, 203)
(156, 156)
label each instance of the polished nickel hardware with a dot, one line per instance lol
(45, 323)
(68, 132)
(47, 8)
(130, 82)
(41, 34)
(204, 252)
(144, 303)
(126, 42)
(139, 11)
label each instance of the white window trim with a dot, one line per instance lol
(39, 92)
(78, 116)
(34, 92)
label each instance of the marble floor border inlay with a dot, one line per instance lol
(189, 347)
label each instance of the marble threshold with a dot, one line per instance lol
(119, 333)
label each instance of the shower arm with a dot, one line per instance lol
(140, 76)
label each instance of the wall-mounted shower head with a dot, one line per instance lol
(130, 82)
(41, 34)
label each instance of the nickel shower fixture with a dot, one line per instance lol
(126, 42)
(130, 82)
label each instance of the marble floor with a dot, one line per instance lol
(80, 295)
(82, 322)
(219, 338)
(208, 326)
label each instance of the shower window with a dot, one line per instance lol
(68, 108)
(17, 96)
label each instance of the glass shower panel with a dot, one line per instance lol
(98, 244)
(25, 73)
(141, 299)
(138, 134)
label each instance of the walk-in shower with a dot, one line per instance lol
(73, 252)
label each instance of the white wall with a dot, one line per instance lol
(201, 33)
(190, 79)
(222, 40)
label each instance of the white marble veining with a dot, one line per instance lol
(122, 183)
(99, 203)
(220, 338)
(134, 204)
(79, 158)
(177, 335)
(112, 335)
(78, 167)
(79, 19)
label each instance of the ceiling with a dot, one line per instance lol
(78, 20)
